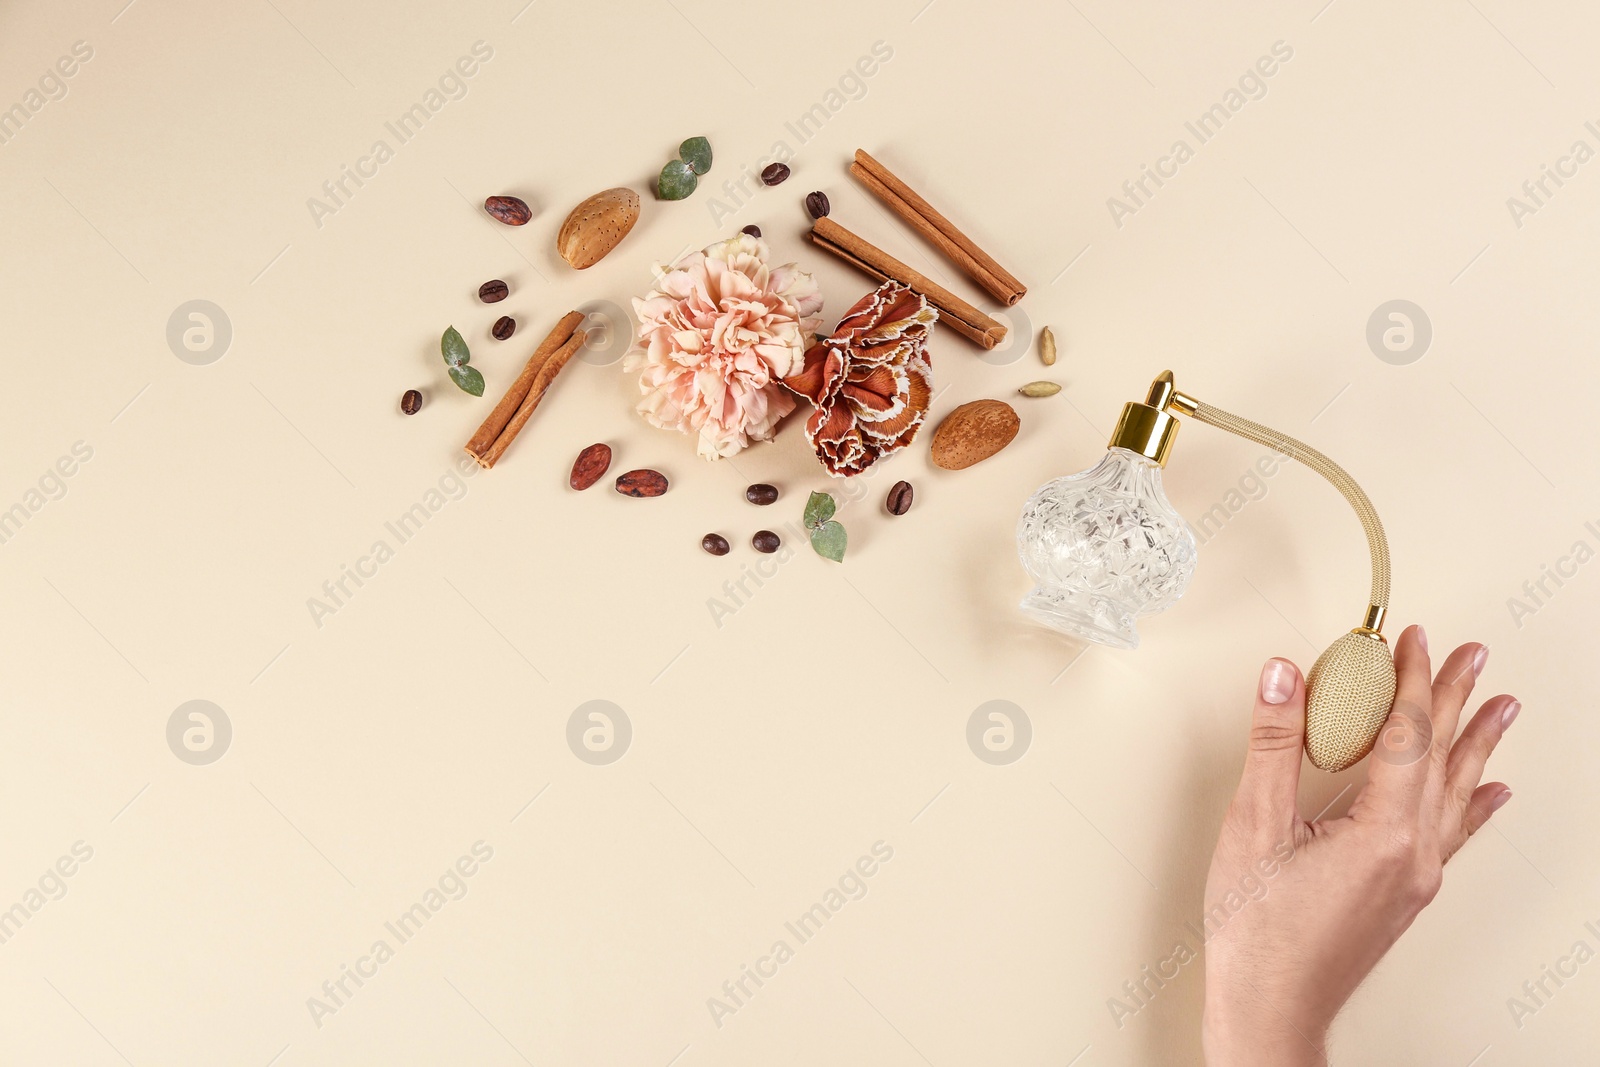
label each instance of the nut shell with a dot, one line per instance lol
(596, 226)
(974, 432)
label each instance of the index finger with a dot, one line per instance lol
(1398, 775)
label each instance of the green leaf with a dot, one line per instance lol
(677, 181)
(454, 349)
(696, 152)
(829, 540)
(468, 379)
(819, 509)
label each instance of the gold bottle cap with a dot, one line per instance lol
(1147, 428)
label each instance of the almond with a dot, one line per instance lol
(596, 226)
(974, 432)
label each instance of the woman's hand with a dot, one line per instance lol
(1298, 913)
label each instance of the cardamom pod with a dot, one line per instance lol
(1040, 389)
(1047, 347)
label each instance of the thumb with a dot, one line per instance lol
(1277, 733)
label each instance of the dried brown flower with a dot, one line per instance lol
(871, 381)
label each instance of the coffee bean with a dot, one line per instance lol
(504, 327)
(493, 292)
(715, 544)
(776, 174)
(899, 499)
(765, 541)
(411, 402)
(590, 465)
(761, 493)
(817, 204)
(508, 209)
(753, 230)
(642, 483)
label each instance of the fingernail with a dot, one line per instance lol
(1500, 801)
(1509, 716)
(1277, 682)
(1422, 638)
(1479, 659)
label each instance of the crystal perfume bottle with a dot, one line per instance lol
(1104, 546)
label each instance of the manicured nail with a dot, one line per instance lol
(1509, 716)
(1500, 801)
(1277, 682)
(1479, 658)
(1422, 638)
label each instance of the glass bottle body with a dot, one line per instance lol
(1103, 548)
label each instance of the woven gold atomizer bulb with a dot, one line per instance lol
(1105, 547)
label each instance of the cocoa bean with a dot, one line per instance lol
(508, 209)
(590, 465)
(642, 483)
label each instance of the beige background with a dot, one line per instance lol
(829, 712)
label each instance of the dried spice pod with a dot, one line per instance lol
(1037, 389)
(1047, 347)
(898, 501)
(715, 544)
(411, 402)
(503, 327)
(492, 292)
(590, 466)
(508, 209)
(642, 483)
(817, 204)
(974, 432)
(775, 174)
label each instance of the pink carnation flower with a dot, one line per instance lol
(715, 336)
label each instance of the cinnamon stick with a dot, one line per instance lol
(938, 230)
(536, 389)
(503, 412)
(954, 312)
